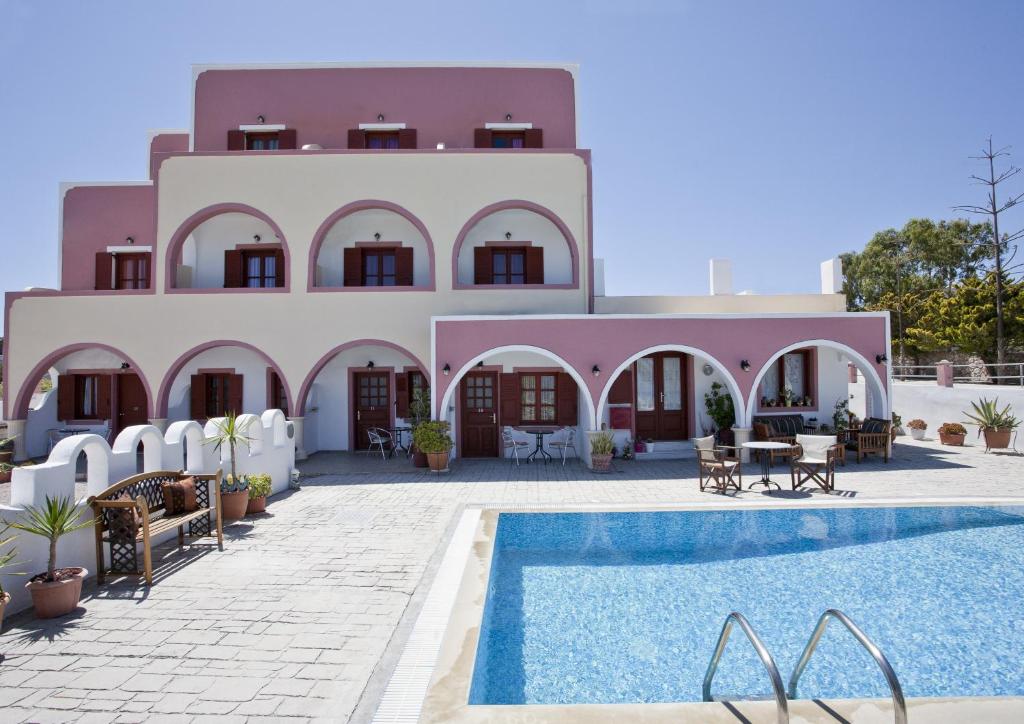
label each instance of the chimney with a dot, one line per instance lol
(721, 276)
(832, 276)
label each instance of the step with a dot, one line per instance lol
(669, 450)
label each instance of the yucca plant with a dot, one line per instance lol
(229, 431)
(56, 518)
(988, 416)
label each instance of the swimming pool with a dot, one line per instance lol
(626, 607)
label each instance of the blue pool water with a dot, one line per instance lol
(626, 607)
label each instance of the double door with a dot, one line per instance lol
(661, 397)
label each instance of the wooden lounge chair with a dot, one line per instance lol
(715, 467)
(814, 461)
(765, 431)
(873, 436)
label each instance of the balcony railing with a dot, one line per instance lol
(1006, 373)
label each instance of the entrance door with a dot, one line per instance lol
(479, 419)
(131, 402)
(660, 396)
(372, 405)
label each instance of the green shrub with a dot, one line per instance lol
(259, 485)
(432, 437)
(601, 443)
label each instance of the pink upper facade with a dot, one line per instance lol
(443, 104)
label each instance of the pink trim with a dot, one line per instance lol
(172, 372)
(364, 205)
(379, 244)
(513, 242)
(300, 408)
(191, 223)
(521, 204)
(352, 372)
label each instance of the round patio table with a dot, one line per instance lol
(540, 432)
(766, 460)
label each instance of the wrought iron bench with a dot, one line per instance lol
(144, 495)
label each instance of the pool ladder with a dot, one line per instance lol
(782, 696)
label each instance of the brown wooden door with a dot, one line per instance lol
(479, 419)
(372, 405)
(131, 402)
(661, 397)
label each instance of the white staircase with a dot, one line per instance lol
(669, 450)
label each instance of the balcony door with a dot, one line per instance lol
(661, 397)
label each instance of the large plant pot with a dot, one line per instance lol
(947, 438)
(916, 433)
(4, 600)
(234, 504)
(256, 505)
(57, 598)
(997, 438)
(601, 463)
(419, 459)
(438, 462)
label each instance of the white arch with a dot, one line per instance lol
(127, 442)
(730, 381)
(186, 433)
(856, 357)
(580, 382)
(275, 421)
(97, 456)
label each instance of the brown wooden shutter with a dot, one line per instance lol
(407, 138)
(509, 398)
(287, 138)
(197, 397)
(533, 138)
(566, 397)
(481, 138)
(234, 269)
(403, 266)
(482, 264)
(104, 406)
(65, 397)
(401, 394)
(236, 140)
(353, 267)
(535, 265)
(279, 267)
(104, 270)
(356, 138)
(622, 389)
(235, 394)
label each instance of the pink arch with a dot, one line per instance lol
(364, 205)
(20, 409)
(300, 408)
(525, 206)
(172, 373)
(191, 223)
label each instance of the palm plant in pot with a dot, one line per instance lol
(602, 446)
(6, 559)
(259, 489)
(431, 437)
(57, 591)
(234, 490)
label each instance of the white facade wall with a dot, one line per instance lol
(203, 251)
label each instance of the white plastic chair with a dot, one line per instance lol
(563, 445)
(380, 438)
(510, 443)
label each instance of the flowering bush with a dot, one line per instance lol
(917, 424)
(952, 428)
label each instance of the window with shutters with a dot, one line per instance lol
(87, 397)
(278, 399)
(260, 268)
(791, 377)
(262, 141)
(218, 394)
(382, 140)
(132, 271)
(418, 386)
(508, 139)
(538, 398)
(508, 266)
(379, 268)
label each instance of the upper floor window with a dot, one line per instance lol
(260, 268)
(277, 398)
(379, 268)
(368, 266)
(508, 137)
(262, 138)
(508, 265)
(261, 141)
(382, 139)
(132, 271)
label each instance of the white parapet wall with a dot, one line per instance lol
(271, 449)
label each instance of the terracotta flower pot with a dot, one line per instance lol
(234, 504)
(57, 598)
(4, 600)
(601, 463)
(438, 461)
(947, 438)
(419, 459)
(997, 438)
(257, 505)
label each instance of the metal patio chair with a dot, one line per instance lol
(563, 445)
(380, 439)
(508, 442)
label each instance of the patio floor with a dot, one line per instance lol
(304, 613)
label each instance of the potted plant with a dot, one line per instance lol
(259, 489)
(419, 411)
(601, 446)
(995, 424)
(840, 417)
(57, 591)
(6, 457)
(5, 560)
(952, 433)
(720, 409)
(896, 426)
(917, 427)
(234, 490)
(787, 396)
(432, 438)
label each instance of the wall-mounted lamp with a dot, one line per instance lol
(447, 369)
(480, 363)
(130, 239)
(881, 358)
(508, 236)
(376, 236)
(125, 365)
(508, 116)
(745, 365)
(370, 365)
(257, 238)
(596, 370)
(261, 119)
(380, 117)
(440, 145)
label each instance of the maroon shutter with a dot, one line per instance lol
(279, 267)
(353, 267)
(622, 389)
(401, 394)
(509, 398)
(534, 265)
(566, 397)
(235, 394)
(403, 266)
(533, 138)
(407, 138)
(287, 138)
(104, 408)
(197, 397)
(236, 140)
(482, 263)
(65, 397)
(481, 138)
(356, 138)
(234, 269)
(104, 270)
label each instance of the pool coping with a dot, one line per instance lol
(432, 679)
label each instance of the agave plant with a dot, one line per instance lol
(988, 416)
(229, 431)
(56, 518)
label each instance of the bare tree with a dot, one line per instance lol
(1002, 249)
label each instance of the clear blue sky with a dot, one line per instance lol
(777, 134)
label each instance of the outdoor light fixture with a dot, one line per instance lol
(125, 365)
(256, 238)
(881, 358)
(447, 369)
(596, 370)
(380, 117)
(745, 365)
(376, 236)
(261, 119)
(440, 146)
(369, 365)
(480, 363)
(508, 236)
(130, 239)
(508, 116)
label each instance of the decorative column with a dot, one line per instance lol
(160, 423)
(16, 430)
(297, 424)
(740, 436)
(944, 373)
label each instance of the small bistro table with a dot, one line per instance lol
(539, 432)
(396, 438)
(766, 460)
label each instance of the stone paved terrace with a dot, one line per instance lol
(304, 614)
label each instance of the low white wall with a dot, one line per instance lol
(271, 450)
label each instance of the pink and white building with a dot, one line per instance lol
(327, 238)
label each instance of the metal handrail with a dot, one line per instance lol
(781, 705)
(899, 703)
